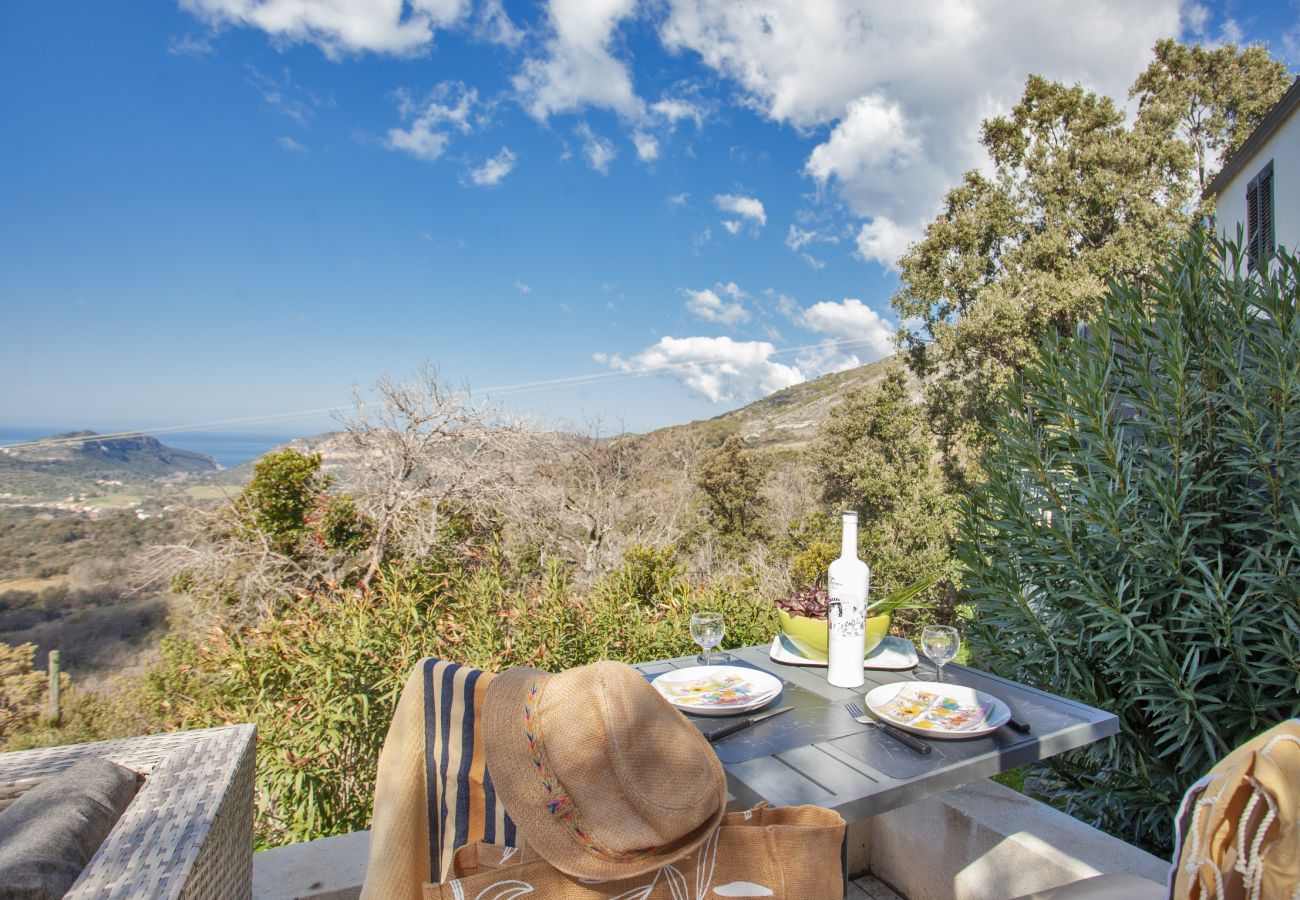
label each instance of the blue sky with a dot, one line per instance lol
(223, 209)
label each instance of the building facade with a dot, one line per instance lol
(1258, 189)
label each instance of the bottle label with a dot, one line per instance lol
(846, 614)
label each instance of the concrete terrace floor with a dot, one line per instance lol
(870, 888)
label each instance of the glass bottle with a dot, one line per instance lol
(846, 612)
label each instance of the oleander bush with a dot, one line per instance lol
(321, 678)
(1136, 543)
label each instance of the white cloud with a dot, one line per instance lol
(449, 107)
(904, 86)
(717, 368)
(599, 151)
(523, 287)
(883, 240)
(849, 320)
(338, 27)
(707, 305)
(577, 69)
(797, 238)
(675, 109)
(647, 146)
(189, 45)
(288, 143)
(495, 26)
(493, 169)
(749, 209)
(678, 199)
(284, 95)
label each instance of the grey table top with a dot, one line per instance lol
(818, 754)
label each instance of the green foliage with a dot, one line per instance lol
(1075, 198)
(648, 576)
(22, 690)
(876, 456)
(41, 544)
(1137, 542)
(1208, 99)
(322, 677)
(731, 479)
(280, 497)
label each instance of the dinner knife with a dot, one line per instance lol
(903, 737)
(742, 723)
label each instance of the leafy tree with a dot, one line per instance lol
(1136, 543)
(22, 690)
(1207, 99)
(278, 501)
(1075, 198)
(876, 456)
(732, 481)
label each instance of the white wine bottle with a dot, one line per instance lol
(846, 612)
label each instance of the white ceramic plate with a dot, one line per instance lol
(718, 690)
(931, 709)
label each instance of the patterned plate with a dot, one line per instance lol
(936, 710)
(718, 690)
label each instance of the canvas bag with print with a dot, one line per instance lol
(786, 853)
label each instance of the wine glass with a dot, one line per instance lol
(707, 630)
(940, 643)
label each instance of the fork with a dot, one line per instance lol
(899, 735)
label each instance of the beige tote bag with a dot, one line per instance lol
(786, 853)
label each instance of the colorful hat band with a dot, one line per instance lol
(558, 800)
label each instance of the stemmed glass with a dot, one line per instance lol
(707, 630)
(940, 643)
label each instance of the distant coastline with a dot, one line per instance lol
(228, 448)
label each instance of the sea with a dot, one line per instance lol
(228, 448)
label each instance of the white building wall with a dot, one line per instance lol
(1283, 147)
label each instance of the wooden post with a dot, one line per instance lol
(54, 714)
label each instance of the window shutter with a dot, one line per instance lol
(1252, 222)
(1266, 244)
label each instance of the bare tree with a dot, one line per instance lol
(422, 448)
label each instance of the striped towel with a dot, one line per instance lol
(433, 793)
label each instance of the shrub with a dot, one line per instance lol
(1137, 543)
(321, 679)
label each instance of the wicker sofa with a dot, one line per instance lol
(189, 831)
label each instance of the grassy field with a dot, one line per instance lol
(210, 491)
(32, 584)
(117, 498)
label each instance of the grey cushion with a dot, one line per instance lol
(49, 833)
(1104, 887)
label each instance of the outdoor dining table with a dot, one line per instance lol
(817, 753)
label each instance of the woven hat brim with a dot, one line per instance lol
(514, 777)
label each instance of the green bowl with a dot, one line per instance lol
(814, 633)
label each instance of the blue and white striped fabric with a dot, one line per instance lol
(433, 794)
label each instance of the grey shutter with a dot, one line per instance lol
(1252, 222)
(1266, 244)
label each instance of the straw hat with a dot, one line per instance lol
(603, 777)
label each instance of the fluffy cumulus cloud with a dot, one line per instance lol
(448, 108)
(717, 368)
(902, 87)
(748, 211)
(338, 27)
(850, 322)
(647, 146)
(707, 305)
(577, 68)
(854, 334)
(493, 169)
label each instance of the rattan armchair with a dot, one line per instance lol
(189, 831)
